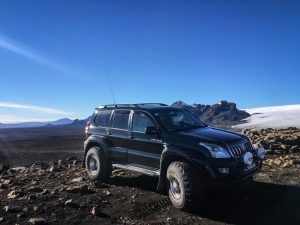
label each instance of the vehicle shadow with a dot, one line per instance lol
(259, 203)
(140, 181)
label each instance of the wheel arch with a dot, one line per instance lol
(168, 157)
(92, 141)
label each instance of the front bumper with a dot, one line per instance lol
(237, 173)
(237, 170)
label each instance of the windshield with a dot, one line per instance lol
(178, 120)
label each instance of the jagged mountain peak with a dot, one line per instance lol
(222, 113)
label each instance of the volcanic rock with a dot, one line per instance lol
(12, 194)
(37, 221)
(35, 189)
(276, 141)
(12, 209)
(96, 211)
(72, 204)
(21, 215)
(77, 180)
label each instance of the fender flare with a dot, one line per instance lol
(178, 153)
(92, 141)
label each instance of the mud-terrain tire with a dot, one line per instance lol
(96, 164)
(183, 185)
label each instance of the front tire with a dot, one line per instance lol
(96, 164)
(182, 185)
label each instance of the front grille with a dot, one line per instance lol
(239, 149)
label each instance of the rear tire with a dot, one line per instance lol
(183, 185)
(96, 164)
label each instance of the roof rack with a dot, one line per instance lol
(137, 105)
(154, 104)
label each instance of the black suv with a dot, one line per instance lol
(171, 143)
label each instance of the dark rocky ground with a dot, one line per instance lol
(24, 146)
(60, 193)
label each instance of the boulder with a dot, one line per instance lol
(294, 140)
(37, 221)
(277, 162)
(12, 194)
(21, 215)
(35, 189)
(59, 164)
(296, 162)
(7, 182)
(295, 148)
(12, 209)
(72, 204)
(97, 211)
(77, 180)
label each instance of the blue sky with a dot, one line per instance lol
(53, 54)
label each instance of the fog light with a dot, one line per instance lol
(260, 153)
(224, 170)
(248, 158)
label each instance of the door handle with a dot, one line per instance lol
(108, 132)
(131, 136)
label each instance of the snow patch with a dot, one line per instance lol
(272, 117)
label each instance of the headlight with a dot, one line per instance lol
(216, 150)
(260, 152)
(248, 158)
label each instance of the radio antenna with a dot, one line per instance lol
(110, 86)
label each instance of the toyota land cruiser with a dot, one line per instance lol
(171, 143)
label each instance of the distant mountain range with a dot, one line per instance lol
(63, 121)
(223, 114)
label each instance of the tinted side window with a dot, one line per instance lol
(140, 122)
(120, 120)
(102, 118)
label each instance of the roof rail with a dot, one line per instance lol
(158, 104)
(137, 105)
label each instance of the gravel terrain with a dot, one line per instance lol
(59, 192)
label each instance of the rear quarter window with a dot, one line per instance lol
(102, 118)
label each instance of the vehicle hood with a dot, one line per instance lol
(212, 135)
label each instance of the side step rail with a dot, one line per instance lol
(149, 172)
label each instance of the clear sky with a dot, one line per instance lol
(53, 54)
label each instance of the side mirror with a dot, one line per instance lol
(151, 130)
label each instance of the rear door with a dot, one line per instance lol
(118, 134)
(144, 149)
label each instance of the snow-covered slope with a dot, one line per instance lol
(272, 117)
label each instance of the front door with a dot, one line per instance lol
(144, 149)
